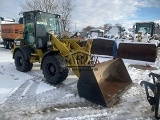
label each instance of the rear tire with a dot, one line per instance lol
(10, 46)
(20, 62)
(54, 69)
(6, 44)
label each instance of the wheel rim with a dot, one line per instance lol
(51, 69)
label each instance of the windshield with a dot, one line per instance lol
(114, 31)
(48, 22)
(144, 28)
(96, 33)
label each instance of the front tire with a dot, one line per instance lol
(20, 62)
(54, 69)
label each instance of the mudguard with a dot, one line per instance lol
(26, 51)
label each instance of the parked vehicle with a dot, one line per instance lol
(43, 42)
(144, 43)
(10, 31)
(4, 21)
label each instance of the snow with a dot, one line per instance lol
(27, 96)
(7, 87)
(44, 87)
(68, 95)
(10, 78)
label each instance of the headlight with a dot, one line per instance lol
(17, 43)
(78, 33)
(49, 44)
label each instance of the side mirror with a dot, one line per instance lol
(20, 20)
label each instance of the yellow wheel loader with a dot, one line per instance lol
(43, 42)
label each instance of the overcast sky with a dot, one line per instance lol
(98, 12)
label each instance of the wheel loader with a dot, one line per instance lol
(144, 43)
(43, 42)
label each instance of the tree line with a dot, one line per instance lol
(104, 27)
(61, 7)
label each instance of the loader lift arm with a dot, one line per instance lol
(72, 55)
(155, 88)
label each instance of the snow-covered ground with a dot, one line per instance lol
(27, 96)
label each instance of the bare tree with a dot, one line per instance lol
(88, 28)
(43, 5)
(118, 24)
(62, 7)
(106, 26)
(65, 8)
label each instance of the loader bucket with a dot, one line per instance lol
(138, 51)
(104, 83)
(103, 46)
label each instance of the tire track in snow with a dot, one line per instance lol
(15, 96)
(55, 99)
(25, 95)
(87, 111)
(53, 104)
(32, 90)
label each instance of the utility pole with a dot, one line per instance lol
(75, 27)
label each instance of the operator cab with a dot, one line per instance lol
(37, 25)
(145, 28)
(95, 33)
